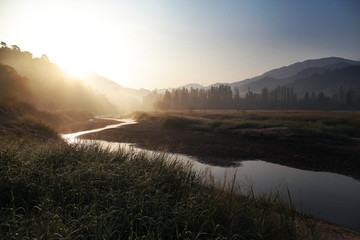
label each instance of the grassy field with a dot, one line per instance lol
(60, 191)
(307, 124)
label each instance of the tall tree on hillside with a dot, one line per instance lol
(44, 58)
(15, 48)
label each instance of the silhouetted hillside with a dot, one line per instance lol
(51, 86)
(330, 81)
(293, 69)
(12, 85)
(279, 76)
(289, 74)
(19, 116)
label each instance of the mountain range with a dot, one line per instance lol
(298, 75)
(288, 75)
(55, 89)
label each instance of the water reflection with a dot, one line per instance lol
(72, 137)
(329, 196)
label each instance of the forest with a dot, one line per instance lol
(280, 98)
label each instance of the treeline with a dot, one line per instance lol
(223, 97)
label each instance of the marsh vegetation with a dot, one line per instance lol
(311, 140)
(61, 191)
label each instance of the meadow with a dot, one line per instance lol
(331, 125)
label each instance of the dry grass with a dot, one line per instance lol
(311, 124)
(61, 191)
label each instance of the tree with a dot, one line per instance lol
(265, 97)
(44, 58)
(28, 54)
(4, 45)
(165, 104)
(341, 94)
(15, 48)
(321, 97)
(349, 98)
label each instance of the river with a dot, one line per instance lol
(328, 196)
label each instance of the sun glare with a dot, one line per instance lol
(88, 41)
(74, 69)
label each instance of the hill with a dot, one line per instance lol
(280, 76)
(330, 81)
(290, 74)
(124, 99)
(52, 88)
(12, 85)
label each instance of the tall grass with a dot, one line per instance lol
(61, 191)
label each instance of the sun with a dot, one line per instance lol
(119, 48)
(75, 67)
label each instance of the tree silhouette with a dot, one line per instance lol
(44, 58)
(15, 48)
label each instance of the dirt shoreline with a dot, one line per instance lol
(224, 149)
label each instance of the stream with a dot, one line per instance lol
(328, 196)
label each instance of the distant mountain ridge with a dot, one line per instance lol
(293, 69)
(289, 74)
(330, 81)
(283, 76)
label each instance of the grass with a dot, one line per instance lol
(304, 124)
(37, 127)
(59, 191)
(24, 120)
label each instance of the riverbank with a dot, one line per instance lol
(277, 144)
(70, 191)
(85, 191)
(153, 192)
(24, 120)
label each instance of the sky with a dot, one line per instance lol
(156, 44)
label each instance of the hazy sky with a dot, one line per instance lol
(169, 43)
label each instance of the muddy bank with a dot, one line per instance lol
(220, 148)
